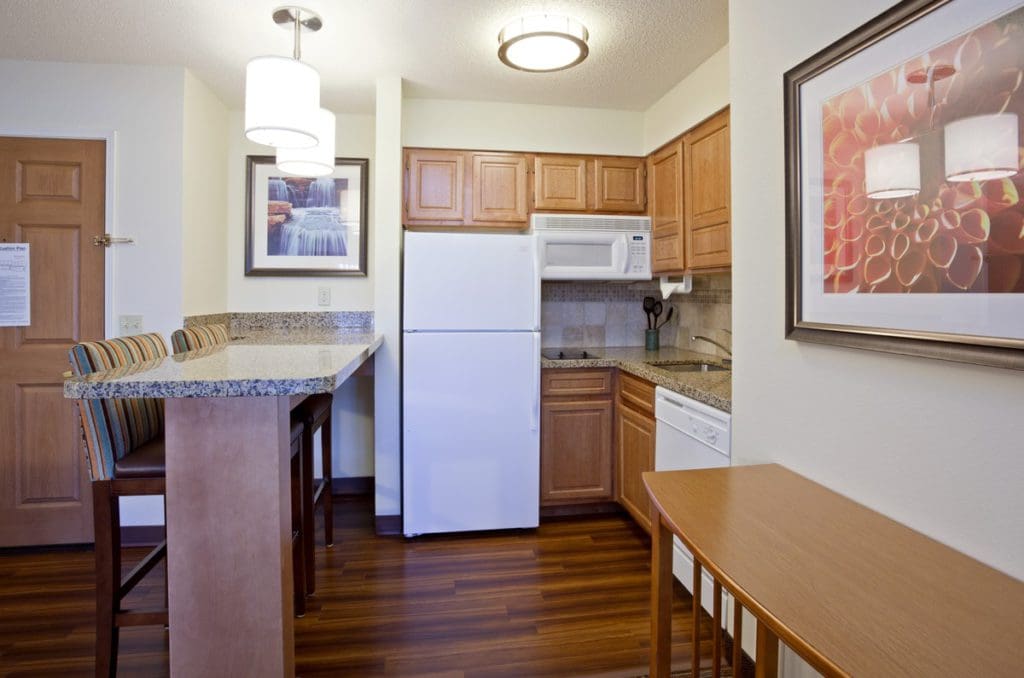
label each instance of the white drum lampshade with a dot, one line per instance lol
(892, 171)
(282, 101)
(982, 147)
(317, 161)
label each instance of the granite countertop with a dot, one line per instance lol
(256, 363)
(710, 388)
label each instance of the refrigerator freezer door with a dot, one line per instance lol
(471, 444)
(467, 281)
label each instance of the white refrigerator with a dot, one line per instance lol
(470, 383)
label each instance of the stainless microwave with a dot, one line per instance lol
(592, 247)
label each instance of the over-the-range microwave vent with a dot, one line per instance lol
(590, 222)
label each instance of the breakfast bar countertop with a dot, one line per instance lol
(710, 388)
(258, 363)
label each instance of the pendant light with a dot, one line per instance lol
(982, 147)
(282, 95)
(543, 43)
(317, 161)
(892, 171)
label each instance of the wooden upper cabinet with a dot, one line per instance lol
(435, 185)
(560, 183)
(619, 185)
(665, 188)
(499, 188)
(707, 194)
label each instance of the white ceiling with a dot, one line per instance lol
(442, 48)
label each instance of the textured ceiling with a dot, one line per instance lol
(442, 48)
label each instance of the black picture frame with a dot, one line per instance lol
(260, 255)
(976, 348)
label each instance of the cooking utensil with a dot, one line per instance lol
(657, 312)
(671, 310)
(648, 307)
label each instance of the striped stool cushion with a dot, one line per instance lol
(115, 426)
(201, 336)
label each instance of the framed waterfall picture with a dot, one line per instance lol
(306, 226)
(904, 189)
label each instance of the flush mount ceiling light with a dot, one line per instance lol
(317, 161)
(282, 95)
(543, 43)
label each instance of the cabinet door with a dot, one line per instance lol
(499, 188)
(619, 185)
(435, 185)
(635, 455)
(576, 451)
(707, 195)
(665, 188)
(560, 183)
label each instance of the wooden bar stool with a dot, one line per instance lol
(125, 450)
(205, 336)
(314, 413)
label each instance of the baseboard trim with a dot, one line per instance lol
(388, 524)
(141, 535)
(567, 510)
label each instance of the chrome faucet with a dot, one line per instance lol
(711, 341)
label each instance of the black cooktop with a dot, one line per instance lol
(569, 354)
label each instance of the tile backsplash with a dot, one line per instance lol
(595, 314)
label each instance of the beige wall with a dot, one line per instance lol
(348, 293)
(935, 445)
(203, 200)
(694, 98)
(435, 123)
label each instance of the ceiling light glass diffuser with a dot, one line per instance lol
(892, 171)
(982, 147)
(317, 161)
(543, 43)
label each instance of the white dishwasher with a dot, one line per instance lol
(690, 435)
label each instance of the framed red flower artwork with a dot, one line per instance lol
(905, 195)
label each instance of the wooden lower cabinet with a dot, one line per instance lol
(576, 451)
(576, 425)
(634, 446)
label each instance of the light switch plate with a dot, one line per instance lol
(129, 324)
(323, 296)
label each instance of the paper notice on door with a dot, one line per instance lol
(15, 291)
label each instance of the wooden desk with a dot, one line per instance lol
(852, 592)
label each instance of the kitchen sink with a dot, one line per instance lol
(693, 367)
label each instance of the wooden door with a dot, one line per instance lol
(635, 452)
(434, 185)
(560, 183)
(52, 197)
(665, 188)
(499, 189)
(708, 203)
(576, 451)
(619, 185)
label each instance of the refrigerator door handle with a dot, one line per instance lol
(535, 408)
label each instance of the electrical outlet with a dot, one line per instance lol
(323, 296)
(129, 324)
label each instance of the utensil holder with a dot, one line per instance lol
(652, 340)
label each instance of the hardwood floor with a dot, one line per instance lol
(568, 599)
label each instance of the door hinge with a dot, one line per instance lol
(106, 240)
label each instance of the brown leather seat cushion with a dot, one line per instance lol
(146, 461)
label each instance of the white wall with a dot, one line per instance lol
(934, 445)
(694, 98)
(436, 123)
(204, 201)
(142, 106)
(348, 293)
(387, 263)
